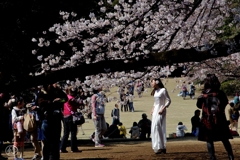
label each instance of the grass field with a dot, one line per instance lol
(179, 110)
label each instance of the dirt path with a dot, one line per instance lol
(177, 149)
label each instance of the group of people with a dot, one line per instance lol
(187, 90)
(126, 101)
(141, 130)
(126, 97)
(213, 125)
(56, 106)
(50, 106)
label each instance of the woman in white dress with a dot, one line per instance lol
(158, 128)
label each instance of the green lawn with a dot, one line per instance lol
(179, 110)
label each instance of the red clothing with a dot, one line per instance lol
(69, 106)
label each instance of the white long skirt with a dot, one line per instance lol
(158, 131)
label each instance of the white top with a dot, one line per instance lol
(180, 130)
(161, 98)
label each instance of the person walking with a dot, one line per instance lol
(158, 127)
(98, 110)
(214, 125)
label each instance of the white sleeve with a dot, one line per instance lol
(168, 100)
(15, 118)
(185, 128)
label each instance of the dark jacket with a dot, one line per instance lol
(113, 132)
(213, 127)
(145, 125)
(195, 120)
(47, 106)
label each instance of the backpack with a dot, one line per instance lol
(29, 123)
(213, 104)
(211, 107)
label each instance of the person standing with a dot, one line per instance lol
(3, 124)
(115, 113)
(19, 133)
(158, 127)
(130, 102)
(195, 121)
(184, 90)
(50, 101)
(70, 107)
(32, 109)
(214, 125)
(98, 110)
(192, 91)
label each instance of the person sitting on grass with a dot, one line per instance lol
(195, 121)
(145, 127)
(180, 130)
(122, 129)
(135, 131)
(113, 131)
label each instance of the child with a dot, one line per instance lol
(233, 116)
(122, 130)
(180, 130)
(135, 131)
(17, 120)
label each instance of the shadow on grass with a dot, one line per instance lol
(94, 149)
(139, 111)
(90, 159)
(111, 144)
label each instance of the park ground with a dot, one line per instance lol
(177, 148)
(187, 148)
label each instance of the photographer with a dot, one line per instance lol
(70, 107)
(50, 101)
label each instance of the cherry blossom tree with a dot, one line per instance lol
(150, 36)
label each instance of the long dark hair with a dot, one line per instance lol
(212, 82)
(160, 84)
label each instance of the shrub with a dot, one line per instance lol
(230, 87)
